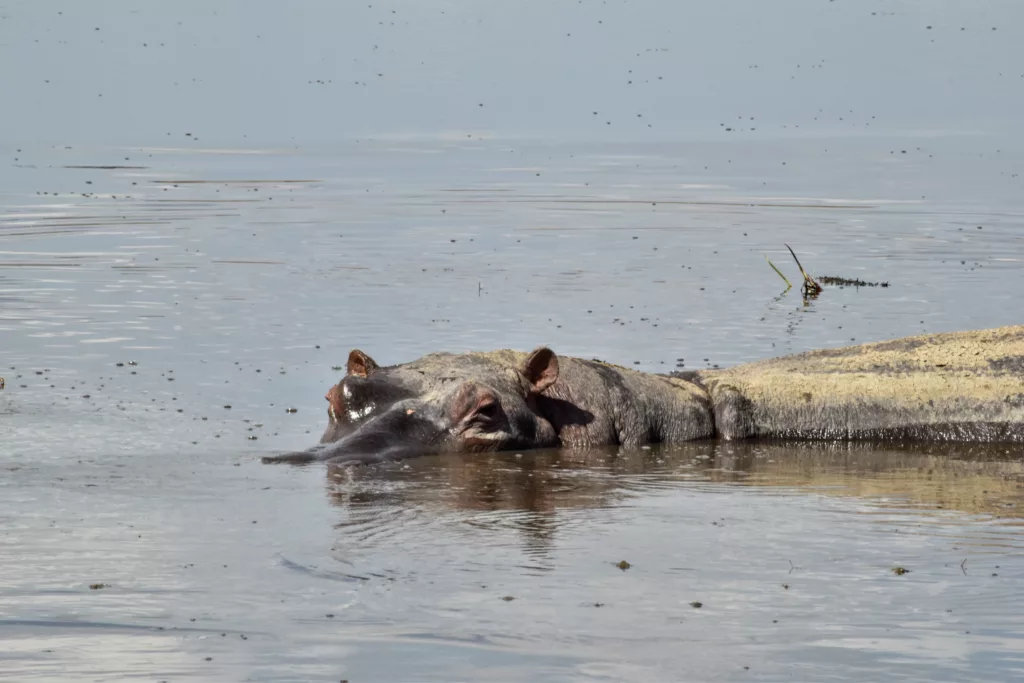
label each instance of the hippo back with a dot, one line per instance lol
(962, 386)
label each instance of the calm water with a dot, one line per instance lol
(225, 199)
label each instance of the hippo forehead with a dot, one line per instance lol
(497, 369)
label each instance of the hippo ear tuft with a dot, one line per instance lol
(360, 365)
(541, 369)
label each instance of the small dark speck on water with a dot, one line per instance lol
(696, 604)
(900, 571)
(508, 598)
(623, 565)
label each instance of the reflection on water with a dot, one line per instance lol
(530, 489)
(789, 548)
(977, 479)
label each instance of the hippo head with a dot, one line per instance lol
(439, 403)
(363, 393)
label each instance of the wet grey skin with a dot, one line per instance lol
(500, 400)
(963, 386)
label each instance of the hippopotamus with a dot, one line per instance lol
(961, 386)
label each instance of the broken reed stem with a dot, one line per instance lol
(809, 284)
(784, 279)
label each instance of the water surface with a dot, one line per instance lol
(203, 208)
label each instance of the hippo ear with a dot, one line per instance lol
(360, 365)
(541, 369)
(336, 400)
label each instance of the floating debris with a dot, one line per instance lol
(811, 288)
(847, 282)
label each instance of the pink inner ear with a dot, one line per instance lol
(541, 369)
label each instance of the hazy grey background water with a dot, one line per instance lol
(235, 194)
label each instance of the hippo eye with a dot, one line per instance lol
(488, 411)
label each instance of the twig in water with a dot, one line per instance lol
(810, 287)
(789, 285)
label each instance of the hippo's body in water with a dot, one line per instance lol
(964, 386)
